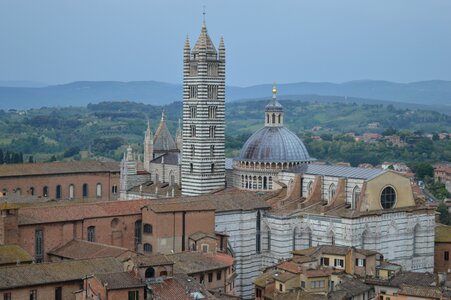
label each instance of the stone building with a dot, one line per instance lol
(203, 160)
(75, 180)
(268, 151)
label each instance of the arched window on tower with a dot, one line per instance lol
(331, 192)
(258, 233)
(278, 118)
(273, 118)
(355, 197)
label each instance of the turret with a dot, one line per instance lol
(179, 137)
(148, 147)
(274, 111)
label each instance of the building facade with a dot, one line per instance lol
(203, 160)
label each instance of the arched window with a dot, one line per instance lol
(364, 241)
(150, 272)
(212, 168)
(45, 191)
(273, 118)
(172, 178)
(39, 245)
(147, 248)
(114, 189)
(157, 176)
(71, 191)
(212, 150)
(355, 197)
(259, 182)
(388, 197)
(91, 233)
(191, 167)
(99, 190)
(85, 190)
(416, 240)
(309, 188)
(58, 192)
(138, 236)
(32, 191)
(265, 183)
(148, 228)
(331, 192)
(278, 117)
(267, 118)
(294, 239)
(332, 237)
(114, 223)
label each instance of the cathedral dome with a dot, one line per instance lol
(274, 144)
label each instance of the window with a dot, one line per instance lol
(71, 191)
(39, 245)
(192, 112)
(338, 263)
(258, 293)
(212, 69)
(317, 284)
(212, 168)
(32, 191)
(212, 150)
(360, 262)
(218, 275)
(204, 248)
(446, 255)
(147, 228)
(99, 190)
(324, 261)
(138, 236)
(33, 295)
(258, 234)
(355, 197)
(45, 191)
(303, 284)
(58, 192)
(280, 287)
(114, 189)
(150, 272)
(147, 247)
(331, 192)
(6, 296)
(18, 191)
(133, 295)
(85, 190)
(193, 150)
(193, 130)
(212, 131)
(212, 112)
(192, 92)
(59, 293)
(91, 233)
(388, 197)
(212, 91)
(210, 277)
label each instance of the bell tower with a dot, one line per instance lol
(203, 160)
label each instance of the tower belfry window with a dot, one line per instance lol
(193, 91)
(212, 91)
(193, 130)
(212, 112)
(193, 112)
(212, 131)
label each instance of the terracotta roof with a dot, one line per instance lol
(152, 260)
(303, 259)
(408, 278)
(265, 278)
(420, 291)
(332, 249)
(78, 211)
(180, 287)
(13, 254)
(233, 199)
(289, 266)
(180, 204)
(201, 235)
(119, 281)
(442, 234)
(196, 262)
(63, 271)
(81, 249)
(84, 166)
(283, 276)
(319, 272)
(298, 294)
(353, 287)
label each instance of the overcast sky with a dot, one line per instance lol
(59, 41)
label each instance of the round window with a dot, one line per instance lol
(388, 197)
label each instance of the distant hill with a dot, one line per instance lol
(437, 92)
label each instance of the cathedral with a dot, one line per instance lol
(279, 199)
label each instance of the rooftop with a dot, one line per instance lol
(442, 234)
(63, 271)
(81, 249)
(353, 287)
(180, 287)
(51, 168)
(283, 276)
(119, 281)
(13, 254)
(201, 235)
(338, 171)
(420, 291)
(196, 262)
(152, 260)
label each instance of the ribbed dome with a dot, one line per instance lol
(274, 144)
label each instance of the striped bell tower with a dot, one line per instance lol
(203, 160)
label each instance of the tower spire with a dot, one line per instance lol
(204, 13)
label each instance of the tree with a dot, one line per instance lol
(30, 159)
(2, 161)
(423, 169)
(445, 216)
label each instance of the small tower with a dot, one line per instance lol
(274, 111)
(203, 160)
(148, 147)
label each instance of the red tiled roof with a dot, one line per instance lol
(70, 212)
(87, 166)
(289, 266)
(80, 249)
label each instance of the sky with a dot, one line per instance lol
(60, 41)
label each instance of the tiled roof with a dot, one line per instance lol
(289, 266)
(318, 272)
(353, 287)
(420, 291)
(204, 43)
(181, 204)
(163, 140)
(233, 199)
(201, 235)
(86, 166)
(409, 278)
(443, 234)
(264, 278)
(119, 281)
(78, 211)
(81, 249)
(63, 271)
(12, 254)
(283, 276)
(169, 158)
(151, 260)
(332, 249)
(180, 287)
(196, 262)
(338, 171)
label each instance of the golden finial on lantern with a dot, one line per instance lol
(274, 89)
